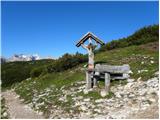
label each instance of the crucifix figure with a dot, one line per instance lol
(90, 49)
(91, 82)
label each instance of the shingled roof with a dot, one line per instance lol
(87, 36)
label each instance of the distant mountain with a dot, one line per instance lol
(22, 57)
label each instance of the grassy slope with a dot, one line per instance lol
(136, 56)
(13, 72)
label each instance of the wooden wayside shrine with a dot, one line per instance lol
(100, 71)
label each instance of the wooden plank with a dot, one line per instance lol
(112, 69)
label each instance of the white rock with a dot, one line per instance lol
(131, 95)
(150, 91)
(99, 100)
(130, 80)
(80, 97)
(40, 113)
(103, 93)
(142, 62)
(117, 95)
(139, 71)
(86, 100)
(152, 100)
(157, 73)
(5, 114)
(142, 92)
(97, 110)
(85, 91)
(77, 103)
(139, 78)
(128, 85)
(83, 108)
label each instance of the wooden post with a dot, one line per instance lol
(107, 81)
(88, 80)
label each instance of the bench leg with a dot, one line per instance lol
(94, 82)
(107, 82)
(88, 80)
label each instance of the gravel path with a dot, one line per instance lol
(17, 109)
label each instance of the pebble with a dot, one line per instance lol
(99, 100)
(5, 114)
(117, 95)
(85, 91)
(83, 108)
(130, 80)
(103, 93)
(86, 100)
(97, 110)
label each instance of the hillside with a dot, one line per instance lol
(57, 89)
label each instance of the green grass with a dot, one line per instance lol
(133, 56)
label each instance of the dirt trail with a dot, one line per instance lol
(17, 109)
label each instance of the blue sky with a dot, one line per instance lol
(53, 28)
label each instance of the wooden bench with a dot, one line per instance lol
(107, 72)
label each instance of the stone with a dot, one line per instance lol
(85, 91)
(130, 80)
(142, 92)
(139, 78)
(40, 113)
(77, 103)
(80, 97)
(99, 100)
(5, 114)
(130, 72)
(103, 93)
(128, 85)
(86, 100)
(152, 100)
(83, 108)
(117, 95)
(150, 91)
(131, 95)
(157, 73)
(97, 110)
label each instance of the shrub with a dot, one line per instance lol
(36, 72)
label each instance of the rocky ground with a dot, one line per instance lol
(129, 101)
(135, 99)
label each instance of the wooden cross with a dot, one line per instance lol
(90, 47)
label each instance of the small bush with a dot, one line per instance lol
(36, 72)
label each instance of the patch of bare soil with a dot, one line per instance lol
(151, 113)
(153, 46)
(16, 109)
